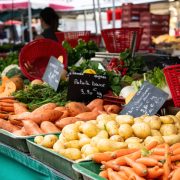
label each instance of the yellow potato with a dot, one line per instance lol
(153, 121)
(71, 153)
(57, 146)
(117, 138)
(83, 141)
(70, 132)
(49, 140)
(38, 139)
(168, 129)
(149, 139)
(155, 132)
(104, 145)
(166, 119)
(89, 150)
(172, 139)
(112, 128)
(72, 144)
(124, 119)
(90, 129)
(103, 134)
(133, 140)
(125, 130)
(135, 145)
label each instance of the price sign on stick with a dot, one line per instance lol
(148, 100)
(53, 72)
(86, 87)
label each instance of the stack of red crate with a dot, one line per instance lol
(153, 25)
(131, 14)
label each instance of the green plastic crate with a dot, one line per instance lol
(53, 159)
(15, 141)
(88, 169)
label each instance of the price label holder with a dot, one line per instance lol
(148, 100)
(86, 87)
(52, 74)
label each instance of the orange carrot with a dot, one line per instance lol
(161, 145)
(151, 145)
(123, 175)
(6, 104)
(7, 109)
(6, 125)
(155, 172)
(6, 98)
(110, 164)
(4, 116)
(158, 151)
(176, 174)
(148, 161)
(138, 168)
(176, 151)
(120, 161)
(123, 152)
(104, 174)
(175, 158)
(99, 157)
(167, 164)
(175, 146)
(135, 155)
(113, 175)
(157, 157)
(130, 173)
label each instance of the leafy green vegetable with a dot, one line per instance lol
(37, 95)
(84, 50)
(156, 77)
(12, 58)
(134, 65)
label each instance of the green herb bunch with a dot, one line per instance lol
(36, 95)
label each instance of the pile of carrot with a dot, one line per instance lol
(6, 107)
(158, 162)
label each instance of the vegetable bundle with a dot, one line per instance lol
(36, 95)
(159, 162)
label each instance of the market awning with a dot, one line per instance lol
(12, 22)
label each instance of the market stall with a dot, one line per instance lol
(69, 111)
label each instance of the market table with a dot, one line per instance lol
(15, 164)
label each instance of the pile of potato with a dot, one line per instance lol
(110, 132)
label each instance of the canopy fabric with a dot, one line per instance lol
(35, 4)
(12, 22)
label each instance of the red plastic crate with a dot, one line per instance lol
(35, 56)
(172, 74)
(96, 38)
(119, 39)
(72, 37)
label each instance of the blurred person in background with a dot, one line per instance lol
(49, 23)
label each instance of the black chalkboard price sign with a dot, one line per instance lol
(148, 100)
(86, 87)
(53, 73)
